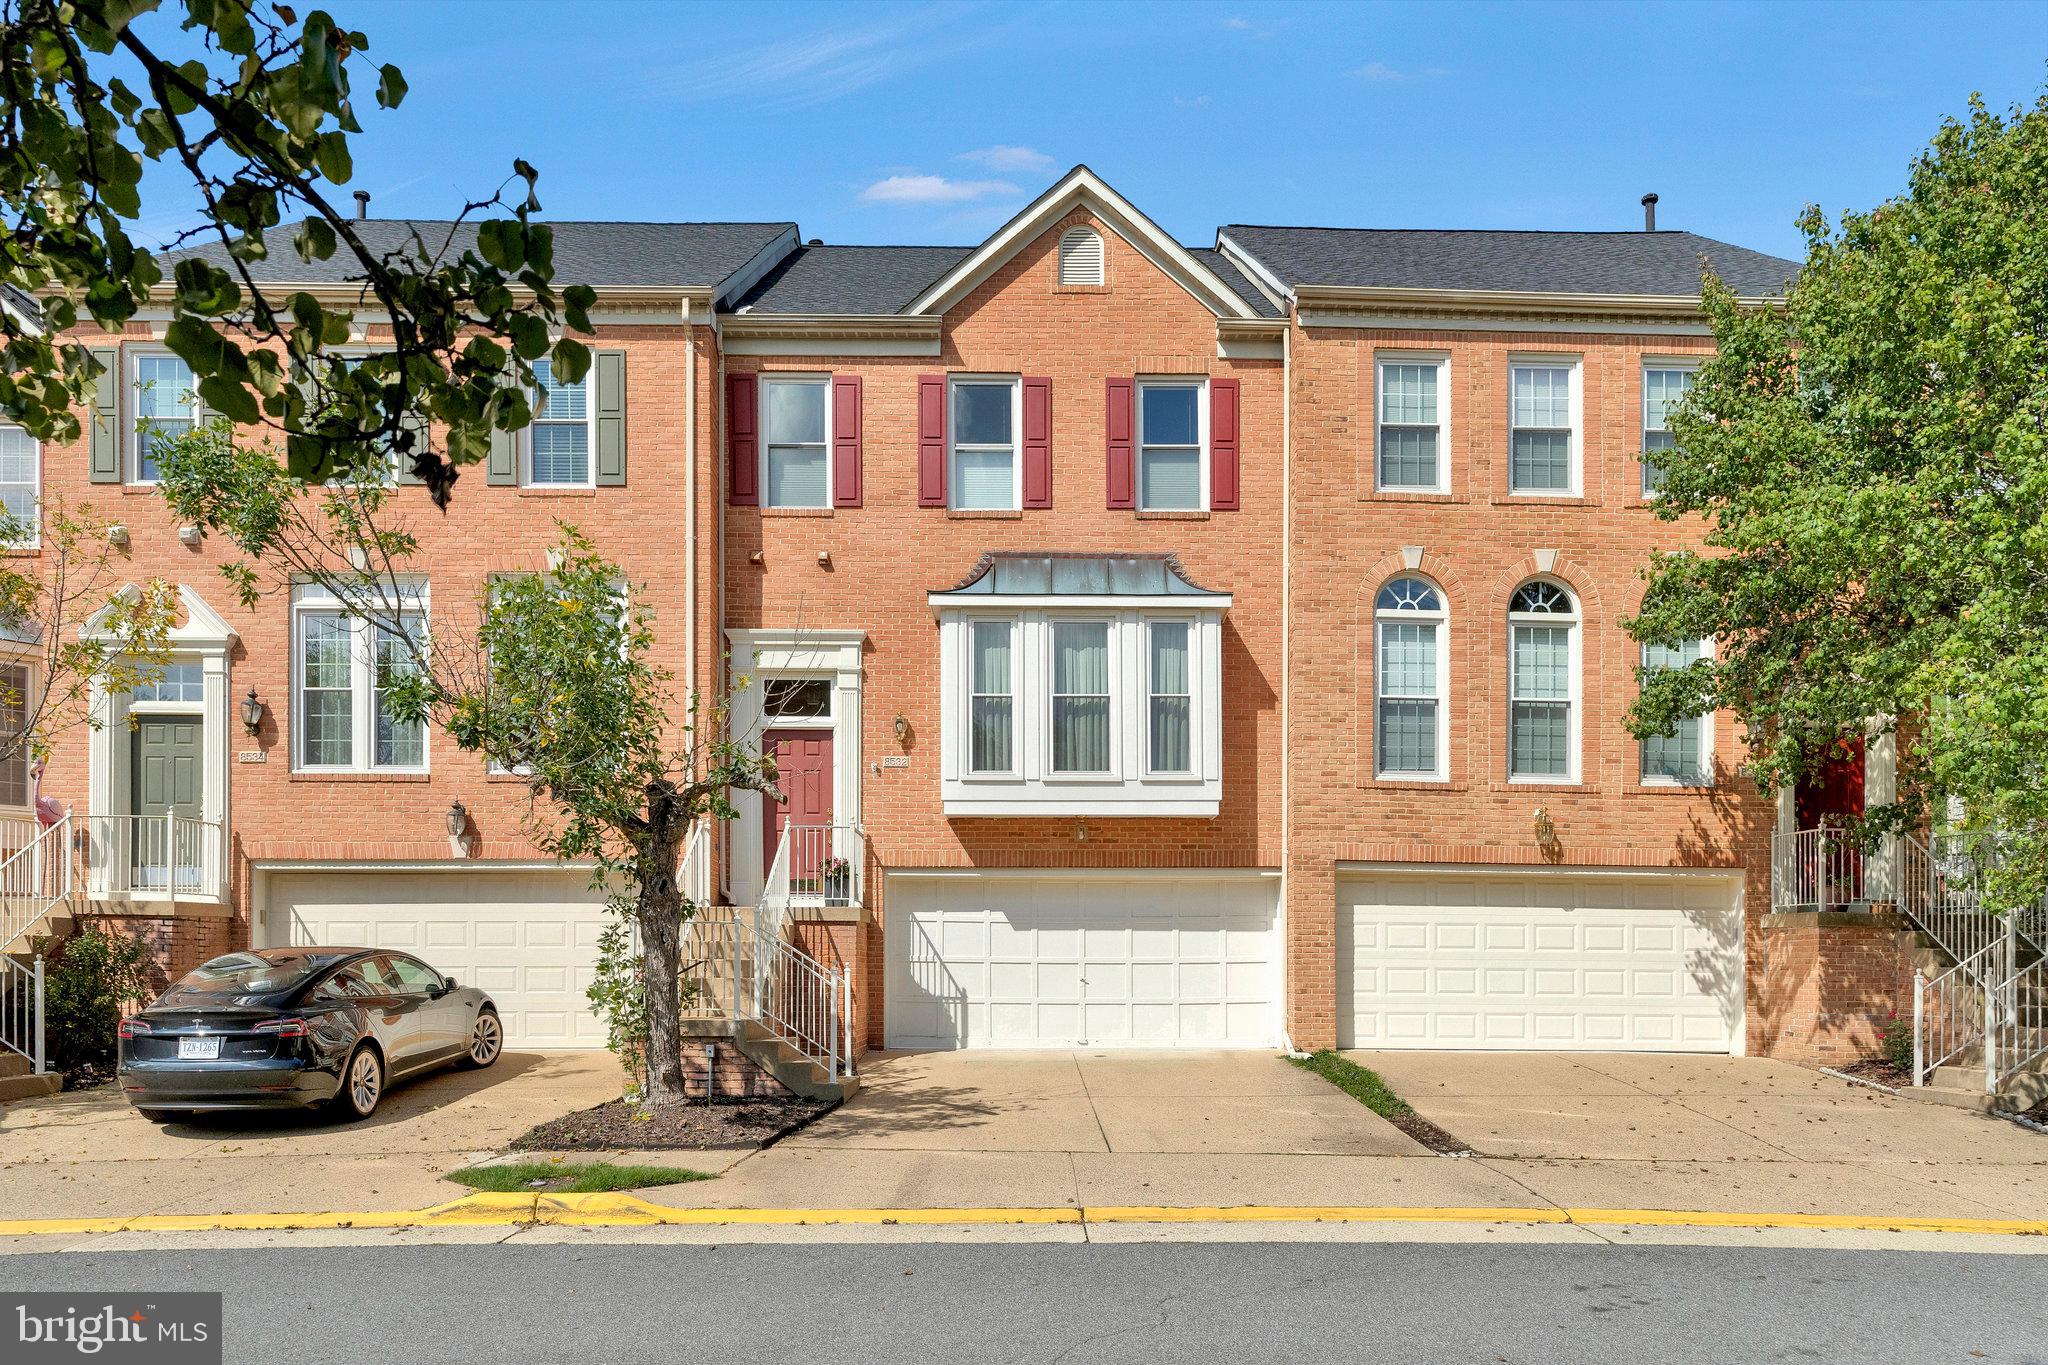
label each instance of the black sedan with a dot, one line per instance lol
(280, 1028)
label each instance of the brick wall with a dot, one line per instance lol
(1830, 985)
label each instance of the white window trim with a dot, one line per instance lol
(34, 539)
(1441, 619)
(1014, 771)
(1154, 773)
(1708, 765)
(31, 690)
(1688, 364)
(309, 599)
(1201, 390)
(817, 381)
(1574, 686)
(589, 480)
(1016, 383)
(1112, 642)
(1576, 364)
(1442, 361)
(132, 432)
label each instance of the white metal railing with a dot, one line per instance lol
(1940, 890)
(826, 864)
(1815, 869)
(35, 877)
(1949, 1011)
(155, 857)
(21, 1010)
(2016, 1028)
(785, 990)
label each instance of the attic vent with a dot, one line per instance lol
(1081, 256)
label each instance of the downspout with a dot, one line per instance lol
(1286, 664)
(722, 837)
(690, 616)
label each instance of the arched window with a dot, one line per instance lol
(1080, 256)
(1543, 683)
(1411, 662)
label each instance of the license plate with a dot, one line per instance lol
(198, 1049)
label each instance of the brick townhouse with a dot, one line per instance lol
(1161, 646)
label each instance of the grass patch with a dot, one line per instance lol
(1360, 1083)
(554, 1177)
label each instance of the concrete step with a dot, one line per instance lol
(30, 1087)
(13, 1064)
(797, 1073)
(1954, 1096)
(57, 924)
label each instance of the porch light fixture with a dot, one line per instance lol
(456, 820)
(252, 712)
(902, 730)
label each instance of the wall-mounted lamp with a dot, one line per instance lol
(1546, 834)
(902, 730)
(1080, 831)
(252, 713)
(824, 559)
(457, 819)
(117, 535)
(190, 536)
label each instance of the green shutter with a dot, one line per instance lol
(417, 425)
(504, 464)
(105, 436)
(611, 417)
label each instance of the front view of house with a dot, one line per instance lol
(1160, 646)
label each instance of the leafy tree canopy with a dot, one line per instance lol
(1871, 462)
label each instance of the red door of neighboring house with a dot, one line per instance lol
(803, 758)
(1831, 799)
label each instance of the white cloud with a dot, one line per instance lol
(932, 189)
(1001, 158)
(812, 68)
(1189, 101)
(1238, 22)
(1380, 71)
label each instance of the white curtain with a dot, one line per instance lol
(1171, 740)
(994, 710)
(1080, 697)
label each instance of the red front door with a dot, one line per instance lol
(1833, 795)
(803, 758)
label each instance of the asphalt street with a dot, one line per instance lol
(1205, 1302)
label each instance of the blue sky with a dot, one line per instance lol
(935, 122)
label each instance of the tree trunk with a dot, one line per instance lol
(661, 912)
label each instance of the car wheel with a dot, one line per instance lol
(362, 1084)
(486, 1040)
(162, 1115)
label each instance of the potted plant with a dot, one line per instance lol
(836, 877)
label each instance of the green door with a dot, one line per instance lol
(164, 778)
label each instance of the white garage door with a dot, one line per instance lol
(1021, 961)
(1624, 963)
(527, 939)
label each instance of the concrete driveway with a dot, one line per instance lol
(89, 1154)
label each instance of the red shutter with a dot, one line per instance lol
(742, 440)
(931, 440)
(1223, 445)
(1118, 423)
(1037, 442)
(846, 440)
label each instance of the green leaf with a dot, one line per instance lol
(314, 240)
(225, 396)
(390, 86)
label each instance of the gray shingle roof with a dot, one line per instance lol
(850, 280)
(1648, 263)
(628, 255)
(1232, 276)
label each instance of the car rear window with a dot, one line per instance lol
(250, 974)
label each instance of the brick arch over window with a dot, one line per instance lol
(1458, 688)
(1606, 676)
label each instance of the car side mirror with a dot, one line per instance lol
(448, 984)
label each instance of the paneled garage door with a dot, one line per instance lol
(1622, 963)
(1021, 961)
(529, 939)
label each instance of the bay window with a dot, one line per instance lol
(992, 717)
(1170, 740)
(1080, 697)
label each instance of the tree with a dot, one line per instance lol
(259, 120)
(1871, 462)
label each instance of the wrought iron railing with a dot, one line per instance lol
(155, 857)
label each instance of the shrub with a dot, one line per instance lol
(1895, 1044)
(87, 978)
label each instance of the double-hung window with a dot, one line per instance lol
(1543, 683)
(166, 407)
(1685, 756)
(1169, 701)
(1410, 657)
(986, 473)
(992, 701)
(345, 670)
(1080, 697)
(21, 487)
(15, 786)
(558, 441)
(1543, 427)
(1172, 449)
(796, 470)
(1664, 385)
(1412, 441)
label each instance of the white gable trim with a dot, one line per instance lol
(203, 629)
(1083, 188)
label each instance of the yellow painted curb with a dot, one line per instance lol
(627, 1210)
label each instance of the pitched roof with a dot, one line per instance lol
(1062, 573)
(849, 280)
(1226, 270)
(600, 254)
(1665, 264)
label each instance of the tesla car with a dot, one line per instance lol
(280, 1028)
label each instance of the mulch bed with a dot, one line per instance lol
(1879, 1070)
(621, 1124)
